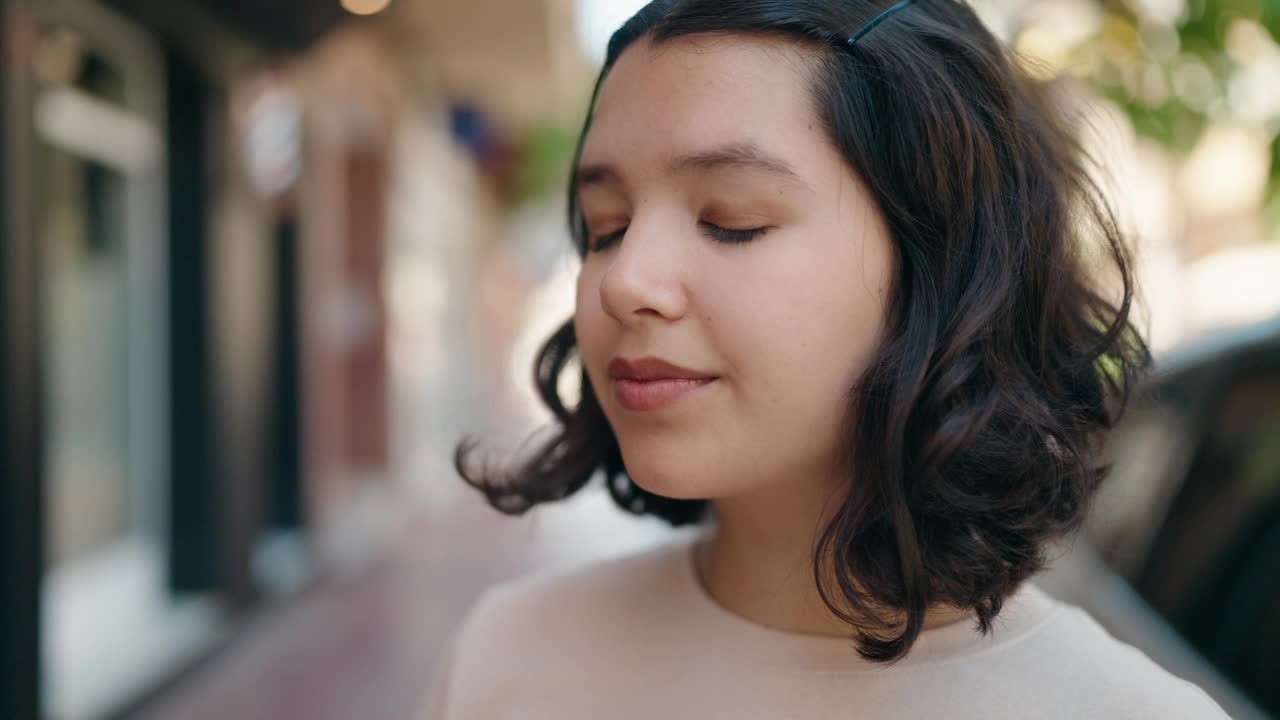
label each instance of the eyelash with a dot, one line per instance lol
(722, 235)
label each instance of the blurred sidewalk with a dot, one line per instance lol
(363, 645)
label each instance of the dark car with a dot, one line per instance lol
(1182, 557)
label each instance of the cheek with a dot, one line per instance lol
(805, 343)
(590, 325)
(837, 341)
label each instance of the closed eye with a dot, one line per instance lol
(728, 236)
(732, 236)
(603, 241)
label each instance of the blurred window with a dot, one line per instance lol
(86, 343)
(110, 626)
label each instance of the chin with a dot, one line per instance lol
(669, 476)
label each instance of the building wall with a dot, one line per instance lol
(519, 59)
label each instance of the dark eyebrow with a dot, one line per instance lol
(745, 155)
(592, 175)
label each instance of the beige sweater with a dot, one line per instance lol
(638, 637)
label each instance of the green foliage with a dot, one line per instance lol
(544, 157)
(1275, 165)
(1202, 39)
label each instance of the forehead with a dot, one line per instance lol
(694, 92)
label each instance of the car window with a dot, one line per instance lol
(1213, 569)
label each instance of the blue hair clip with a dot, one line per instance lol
(877, 20)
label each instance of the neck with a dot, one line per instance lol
(757, 562)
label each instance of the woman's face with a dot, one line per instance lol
(737, 272)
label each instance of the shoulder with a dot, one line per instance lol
(579, 592)
(585, 601)
(1074, 658)
(524, 635)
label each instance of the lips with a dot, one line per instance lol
(651, 384)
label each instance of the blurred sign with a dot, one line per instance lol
(84, 125)
(272, 140)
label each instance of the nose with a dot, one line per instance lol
(645, 279)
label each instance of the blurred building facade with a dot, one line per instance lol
(208, 212)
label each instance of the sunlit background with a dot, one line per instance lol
(268, 262)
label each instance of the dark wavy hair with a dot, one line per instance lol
(977, 432)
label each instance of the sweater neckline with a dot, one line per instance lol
(1022, 613)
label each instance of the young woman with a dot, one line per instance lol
(837, 310)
